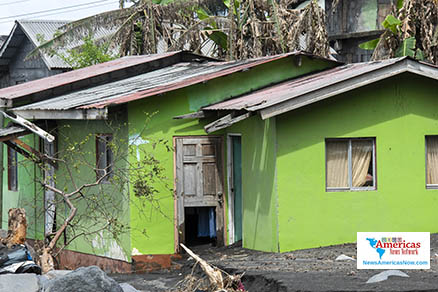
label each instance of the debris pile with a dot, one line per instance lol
(214, 280)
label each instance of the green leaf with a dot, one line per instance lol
(219, 37)
(369, 45)
(202, 14)
(407, 48)
(227, 3)
(391, 23)
(419, 55)
(399, 4)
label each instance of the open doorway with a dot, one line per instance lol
(199, 191)
(200, 226)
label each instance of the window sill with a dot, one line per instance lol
(330, 190)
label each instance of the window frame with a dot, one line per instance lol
(428, 186)
(108, 153)
(350, 165)
(12, 169)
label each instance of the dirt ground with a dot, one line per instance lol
(304, 270)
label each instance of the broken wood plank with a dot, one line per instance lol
(195, 115)
(31, 126)
(225, 122)
(214, 275)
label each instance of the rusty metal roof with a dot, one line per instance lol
(275, 94)
(296, 93)
(141, 86)
(78, 76)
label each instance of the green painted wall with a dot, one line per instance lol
(399, 112)
(114, 198)
(153, 228)
(28, 195)
(259, 187)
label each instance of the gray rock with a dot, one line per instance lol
(383, 276)
(128, 288)
(45, 279)
(19, 282)
(343, 257)
(85, 279)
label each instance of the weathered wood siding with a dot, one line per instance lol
(355, 22)
(21, 70)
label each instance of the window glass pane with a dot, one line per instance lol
(337, 164)
(362, 163)
(432, 159)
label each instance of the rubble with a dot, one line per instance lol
(85, 279)
(344, 257)
(214, 280)
(383, 276)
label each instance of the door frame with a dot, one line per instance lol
(230, 181)
(175, 195)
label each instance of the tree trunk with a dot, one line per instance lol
(46, 261)
(16, 227)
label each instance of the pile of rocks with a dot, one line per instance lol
(85, 279)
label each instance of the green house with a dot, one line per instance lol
(283, 152)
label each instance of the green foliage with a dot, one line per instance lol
(392, 23)
(369, 45)
(399, 4)
(87, 54)
(407, 48)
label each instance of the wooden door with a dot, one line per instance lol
(199, 179)
(237, 185)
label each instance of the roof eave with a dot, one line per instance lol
(403, 66)
(71, 114)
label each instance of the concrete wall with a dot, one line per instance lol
(153, 228)
(398, 112)
(259, 183)
(77, 144)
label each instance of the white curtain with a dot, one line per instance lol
(361, 153)
(337, 164)
(432, 159)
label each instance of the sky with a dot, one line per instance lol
(11, 10)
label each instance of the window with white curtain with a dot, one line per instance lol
(432, 162)
(350, 164)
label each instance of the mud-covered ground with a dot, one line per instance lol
(304, 270)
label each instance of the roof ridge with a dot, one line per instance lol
(42, 20)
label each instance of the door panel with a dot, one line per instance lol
(199, 178)
(237, 187)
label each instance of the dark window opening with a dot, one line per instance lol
(104, 156)
(200, 225)
(12, 170)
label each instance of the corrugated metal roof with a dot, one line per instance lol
(37, 86)
(148, 84)
(34, 29)
(45, 29)
(290, 89)
(2, 39)
(12, 130)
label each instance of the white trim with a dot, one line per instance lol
(350, 171)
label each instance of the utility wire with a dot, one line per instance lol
(62, 12)
(51, 10)
(15, 2)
